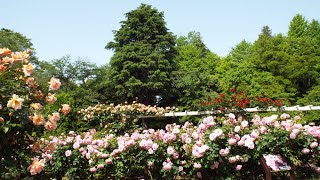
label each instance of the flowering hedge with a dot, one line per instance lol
(24, 107)
(229, 148)
(234, 100)
(120, 118)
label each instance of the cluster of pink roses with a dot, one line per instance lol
(187, 145)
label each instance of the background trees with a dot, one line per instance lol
(196, 66)
(150, 64)
(143, 61)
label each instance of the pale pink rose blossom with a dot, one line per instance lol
(224, 152)
(180, 168)
(263, 130)
(314, 145)
(100, 166)
(237, 129)
(305, 151)
(293, 135)
(232, 159)
(68, 153)
(93, 169)
(232, 141)
(170, 150)
(232, 116)
(240, 143)
(249, 143)
(244, 124)
(197, 165)
(175, 155)
(109, 161)
(238, 167)
(167, 166)
(51, 98)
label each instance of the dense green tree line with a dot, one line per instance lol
(153, 66)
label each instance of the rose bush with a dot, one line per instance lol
(120, 118)
(24, 114)
(228, 148)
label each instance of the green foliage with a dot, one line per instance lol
(297, 26)
(237, 71)
(14, 41)
(143, 60)
(196, 66)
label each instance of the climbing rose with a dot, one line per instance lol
(15, 102)
(65, 109)
(27, 69)
(36, 166)
(54, 83)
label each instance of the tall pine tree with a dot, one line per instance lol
(143, 61)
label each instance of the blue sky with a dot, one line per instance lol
(82, 28)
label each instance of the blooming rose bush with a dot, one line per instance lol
(229, 148)
(23, 113)
(120, 118)
(234, 100)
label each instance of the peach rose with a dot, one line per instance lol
(37, 166)
(37, 119)
(54, 83)
(51, 98)
(27, 69)
(36, 106)
(15, 102)
(50, 125)
(65, 109)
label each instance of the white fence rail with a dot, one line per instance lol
(256, 109)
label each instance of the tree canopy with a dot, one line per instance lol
(143, 58)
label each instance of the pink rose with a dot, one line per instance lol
(109, 161)
(100, 166)
(238, 167)
(215, 165)
(314, 145)
(232, 159)
(167, 166)
(93, 169)
(68, 153)
(244, 124)
(305, 151)
(197, 165)
(237, 129)
(170, 150)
